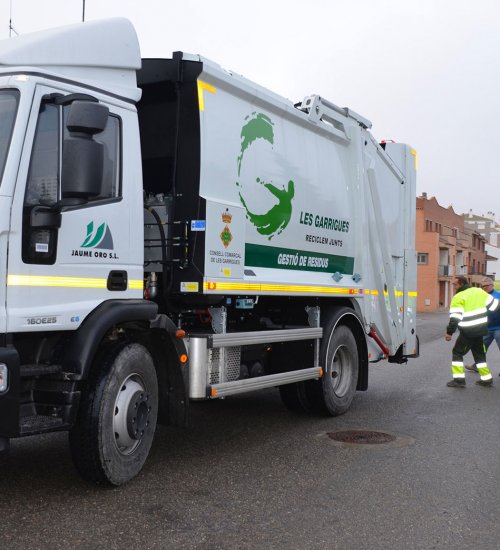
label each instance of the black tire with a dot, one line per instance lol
(340, 359)
(333, 394)
(117, 416)
(294, 398)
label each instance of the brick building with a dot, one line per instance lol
(445, 248)
(490, 230)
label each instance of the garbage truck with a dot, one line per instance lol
(171, 232)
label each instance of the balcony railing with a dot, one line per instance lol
(446, 270)
(461, 270)
(464, 240)
(446, 231)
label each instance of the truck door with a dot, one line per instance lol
(66, 257)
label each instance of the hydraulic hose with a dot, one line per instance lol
(163, 240)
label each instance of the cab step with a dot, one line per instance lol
(38, 424)
(28, 371)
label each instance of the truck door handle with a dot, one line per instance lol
(117, 280)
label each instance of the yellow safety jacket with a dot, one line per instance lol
(469, 311)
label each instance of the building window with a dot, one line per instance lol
(422, 258)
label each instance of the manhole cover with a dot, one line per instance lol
(362, 437)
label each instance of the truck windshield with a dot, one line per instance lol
(9, 100)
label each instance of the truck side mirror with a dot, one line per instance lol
(83, 157)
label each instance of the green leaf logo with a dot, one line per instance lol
(101, 238)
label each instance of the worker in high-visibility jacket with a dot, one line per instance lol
(469, 313)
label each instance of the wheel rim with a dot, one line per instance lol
(341, 370)
(131, 414)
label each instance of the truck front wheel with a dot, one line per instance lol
(116, 420)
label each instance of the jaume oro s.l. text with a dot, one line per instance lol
(324, 222)
(95, 254)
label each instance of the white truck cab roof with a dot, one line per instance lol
(101, 53)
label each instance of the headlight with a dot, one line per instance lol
(4, 378)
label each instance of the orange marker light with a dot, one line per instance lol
(183, 358)
(180, 333)
(214, 392)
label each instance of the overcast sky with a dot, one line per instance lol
(425, 72)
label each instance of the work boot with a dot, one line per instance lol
(472, 368)
(485, 383)
(456, 383)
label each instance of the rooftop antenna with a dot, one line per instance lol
(83, 12)
(11, 28)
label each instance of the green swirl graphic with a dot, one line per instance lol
(274, 221)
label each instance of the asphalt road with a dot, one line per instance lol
(249, 474)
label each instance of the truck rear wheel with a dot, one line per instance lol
(116, 421)
(333, 394)
(340, 359)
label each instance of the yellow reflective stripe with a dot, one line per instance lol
(64, 282)
(483, 371)
(493, 305)
(414, 153)
(457, 369)
(396, 293)
(42, 280)
(261, 287)
(136, 284)
(266, 287)
(473, 323)
(480, 311)
(201, 87)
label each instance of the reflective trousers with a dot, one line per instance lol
(478, 349)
